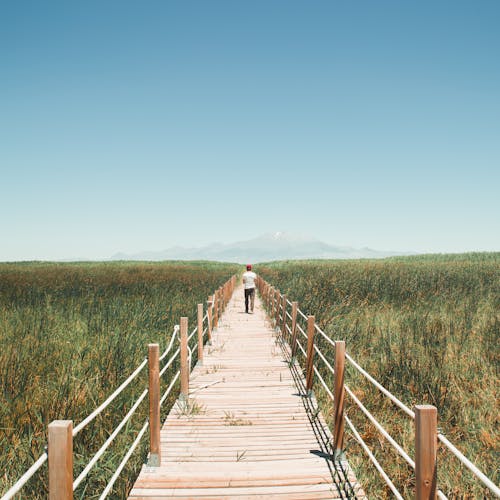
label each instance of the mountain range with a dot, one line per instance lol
(265, 248)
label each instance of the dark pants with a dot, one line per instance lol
(249, 294)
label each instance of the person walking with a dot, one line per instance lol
(249, 278)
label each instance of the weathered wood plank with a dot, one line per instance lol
(243, 431)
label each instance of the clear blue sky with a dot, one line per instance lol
(129, 126)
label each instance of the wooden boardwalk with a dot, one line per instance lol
(247, 430)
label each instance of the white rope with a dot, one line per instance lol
(394, 399)
(472, 468)
(323, 383)
(320, 354)
(104, 447)
(385, 477)
(176, 331)
(301, 331)
(372, 419)
(301, 313)
(325, 336)
(301, 348)
(16, 488)
(170, 361)
(124, 461)
(167, 392)
(288, 315)
(289, 302)
(98, 410)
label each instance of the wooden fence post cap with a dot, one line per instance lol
(425, 408)
(60, 424)
(152, 346)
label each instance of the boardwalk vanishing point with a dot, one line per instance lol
(248, 428)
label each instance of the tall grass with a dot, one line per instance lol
(428, 329)
(70, 334)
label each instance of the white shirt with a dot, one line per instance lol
(249, 278)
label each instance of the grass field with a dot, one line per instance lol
(427, 328)
(70, 334)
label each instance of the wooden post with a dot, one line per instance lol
(60, 443)
(278, 306)
(295, 306)
(200, 333)
(425, 452)
(154, 405)
(310, 355)
(216, 308)
(210, 305)
(339, 392)
(283, 322)
(184, 360)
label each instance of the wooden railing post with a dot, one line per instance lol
(184, 395)
(216, 308)
(283, 322)
(210, 305)
(293, 346)
(278, 306)
(310, 355)
(154, 405)
(339, 392)
(60, 443)
(425, 452)
(200, 334)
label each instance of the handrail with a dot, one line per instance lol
(379, 386)
(101, 407)
(108, 441)
(467, 463)
(16, 488)
(167, 350)
(374, 421)
(324, 335)
(371, 456)
(124, 461)
(20, 483)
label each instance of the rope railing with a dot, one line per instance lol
(26, 477)
(61, 485)
(424, 417)
(375, 462)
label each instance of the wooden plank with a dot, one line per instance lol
(242, 430)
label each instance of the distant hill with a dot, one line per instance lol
(265, 248)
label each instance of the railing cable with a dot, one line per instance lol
(126, 458)
(108, 441)
(100, 408)
(375, 462)
(372, 419)
(394, 399)
(472, 468)
(16, 488)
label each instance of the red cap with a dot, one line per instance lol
(249, 266)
